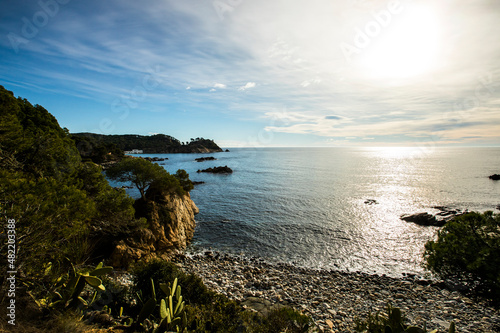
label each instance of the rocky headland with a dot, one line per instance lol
(171, 225)
(334, 299)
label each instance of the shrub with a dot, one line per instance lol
(207, 311)
(467, 249)
(392, 322)
(284, 319)
(161, 271)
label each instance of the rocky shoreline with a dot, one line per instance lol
(334, 299)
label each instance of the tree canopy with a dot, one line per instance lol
(468, 249)
(62, 207)
(142, 174)
(153, 144)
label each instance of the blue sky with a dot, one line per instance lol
(261, 73)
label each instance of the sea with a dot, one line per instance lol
(334, 208)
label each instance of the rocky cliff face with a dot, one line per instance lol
(170, 227)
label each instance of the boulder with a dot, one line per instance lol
(437, 220)
(494, 177)
(425, 219)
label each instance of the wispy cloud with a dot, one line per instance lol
(287, 55)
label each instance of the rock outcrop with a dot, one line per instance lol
(422, 219)
(437, 220)
(219, 170)
(171, 225)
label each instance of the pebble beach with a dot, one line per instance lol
(334, 299)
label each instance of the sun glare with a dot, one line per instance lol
(407, 47)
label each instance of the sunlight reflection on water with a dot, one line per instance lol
(307, 206)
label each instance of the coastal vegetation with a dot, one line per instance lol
(153, 144)
(467, 250)
(68, 221)
(142, 174)
(67, 218)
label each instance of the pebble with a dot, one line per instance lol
(335, 299)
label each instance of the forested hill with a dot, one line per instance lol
(154, 144)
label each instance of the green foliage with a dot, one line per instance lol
(468, 249)
(207, 311)
(154, 144)
(32, 136)
(390, 322)
(184, 180)
(143, 174)
(67, 289)
(98, 152)
(64, 209)
(53, 218)
(284, 319)
(172, 309)
(161, 271)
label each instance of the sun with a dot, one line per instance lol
(408, 47)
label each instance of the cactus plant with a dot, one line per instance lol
(172, 309)
(69, 294)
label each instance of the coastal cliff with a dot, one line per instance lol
(171, 224)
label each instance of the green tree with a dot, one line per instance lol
(468, 249)
(142, 174)
(185, 182)
(63, 208)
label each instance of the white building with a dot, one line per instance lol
(133, 151)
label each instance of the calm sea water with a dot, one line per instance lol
(307, 205)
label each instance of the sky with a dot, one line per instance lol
(261, 73)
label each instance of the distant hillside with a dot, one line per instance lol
(154, 144)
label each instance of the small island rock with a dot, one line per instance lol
(422, 219)
(203, 159)
(220, 169)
